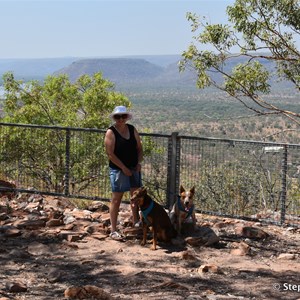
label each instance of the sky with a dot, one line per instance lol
(100, 28)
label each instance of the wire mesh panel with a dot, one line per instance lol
(232, 177)
(292, 205)
(72, 161)
(53, 160)
(155, 165)
(33, 157)
(236, 178)
(88, 165)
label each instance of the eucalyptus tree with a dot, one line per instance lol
(42, 157)
(57, 101)
(260, 31)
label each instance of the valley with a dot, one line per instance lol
(211, 114)
(165, 100)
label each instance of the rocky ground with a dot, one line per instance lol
(49, 249)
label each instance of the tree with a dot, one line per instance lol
(259, 31)
(39, 157)
(85, 103)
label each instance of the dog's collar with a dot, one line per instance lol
(146, 211)
(189, 212)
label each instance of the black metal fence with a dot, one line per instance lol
(236, 178)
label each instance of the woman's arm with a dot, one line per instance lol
(139, 147)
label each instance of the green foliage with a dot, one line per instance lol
(86, 103)
(235, 190)
(40, 157)
(293, 192)
(257, 29)
(44, 154)
(155, 172)
(247, 79)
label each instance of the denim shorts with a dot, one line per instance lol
(122, 183)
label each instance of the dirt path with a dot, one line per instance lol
(46, 260)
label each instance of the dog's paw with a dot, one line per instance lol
(153, 248)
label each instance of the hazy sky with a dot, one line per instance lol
(95, 28)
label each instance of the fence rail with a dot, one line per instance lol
(237, 178)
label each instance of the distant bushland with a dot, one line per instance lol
(165, 100)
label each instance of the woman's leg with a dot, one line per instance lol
(114, 209)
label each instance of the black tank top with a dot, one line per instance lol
(125, 149)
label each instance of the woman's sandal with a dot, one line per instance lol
(138, 224)
(116, 236)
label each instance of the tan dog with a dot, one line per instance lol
(183, 209)
(153, 215)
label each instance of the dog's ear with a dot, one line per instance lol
(182, 189)
(192, 190)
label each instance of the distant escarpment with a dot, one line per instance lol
(125, 72)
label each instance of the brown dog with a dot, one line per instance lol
(155, 216)
(183, 209)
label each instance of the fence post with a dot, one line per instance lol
(67, 166)
(283, 183)
(173, 169)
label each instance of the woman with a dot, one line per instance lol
(125, 153)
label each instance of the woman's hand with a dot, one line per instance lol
(127, 171)
(138, 168)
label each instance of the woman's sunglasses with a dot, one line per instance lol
(118, 117)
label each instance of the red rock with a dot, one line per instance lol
(208, 269)
(16, 287)
(54, 222)
(251, 232)
(87, 292)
